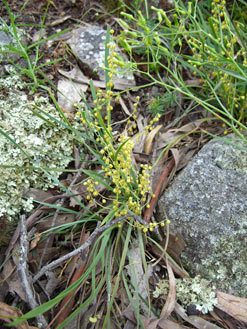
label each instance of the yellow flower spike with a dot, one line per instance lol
(162, 224)
(168, 221)
(145, 230)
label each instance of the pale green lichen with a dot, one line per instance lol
(190, 291)
(226, 266)
(48, 145)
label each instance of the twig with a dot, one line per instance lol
(22, 270)
(75, 252)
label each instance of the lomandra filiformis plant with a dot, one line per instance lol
(127, 184)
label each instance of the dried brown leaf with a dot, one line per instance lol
(139, 138)
(7, 312)
(150, 138)
(37, 194)
(171, 298)
(124, 107)
(35, 241)
(167, 324)
(196, 321)
(45, 224)
(10, 275)
(232, 305)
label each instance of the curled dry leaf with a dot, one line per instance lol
(232, 305)
(139, 138)
(7, 313)
(171, 298)
(124, 107)
(150, 138)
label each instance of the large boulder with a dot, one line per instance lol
(207, 204)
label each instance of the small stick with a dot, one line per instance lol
(85, 245)
(22, 270)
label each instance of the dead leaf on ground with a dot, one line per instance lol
(62, 219)
(11, 277)
(35, 241)
(83, 81)
(136, 272)
(171, 298)
(149, 139)
(69, 93)
(167, 324)
(7, 312)
(78, 269)
(124, 107)
(139, 138)
(232, 305)
(37, 194)
(196, 321)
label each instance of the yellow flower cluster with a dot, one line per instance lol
(130, 188)
(150, 126)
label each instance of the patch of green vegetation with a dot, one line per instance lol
(160, 103)
(213, 49)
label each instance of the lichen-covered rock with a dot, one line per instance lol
(88, 44)
(207, 204)
(41, 144)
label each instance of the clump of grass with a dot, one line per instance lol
(211, 49)
(129, 185)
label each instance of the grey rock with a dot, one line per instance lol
(88, 44)
(207, 204)
(4, 39)
(7, 40)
